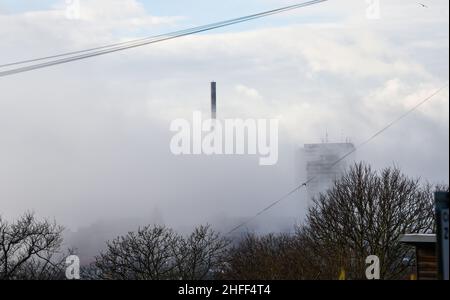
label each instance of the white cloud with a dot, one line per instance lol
(245, 91)
(95, 133)
(100, 22)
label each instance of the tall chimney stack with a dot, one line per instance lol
(213, 100)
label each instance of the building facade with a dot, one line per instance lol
(323, 164)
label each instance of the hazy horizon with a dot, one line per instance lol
(87, 143)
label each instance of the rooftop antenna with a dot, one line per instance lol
(213, 100)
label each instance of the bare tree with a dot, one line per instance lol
(201, 255)
(30, 249)
(145, 255)
(269, 257)
(158, 253)
(363, 214)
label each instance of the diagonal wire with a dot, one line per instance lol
(93, 52)
(374, 136)
(250, 17)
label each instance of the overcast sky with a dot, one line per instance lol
(89, 141)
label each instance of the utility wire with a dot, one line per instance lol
(378, 133)
(113, 45)
(157, 36)
(72, 56)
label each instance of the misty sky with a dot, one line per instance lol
(89, 141)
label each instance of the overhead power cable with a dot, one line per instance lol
(102, 50)
(374, 136)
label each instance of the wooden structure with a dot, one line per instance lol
(426, 258)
